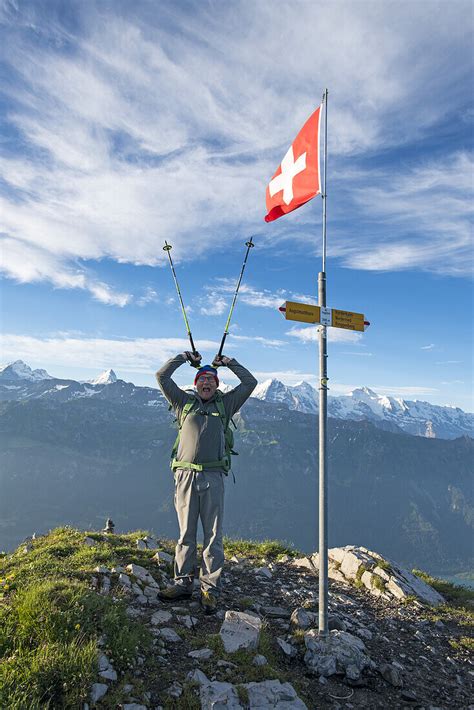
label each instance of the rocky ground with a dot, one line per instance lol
(387, 648)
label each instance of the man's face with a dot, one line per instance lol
(206, 385)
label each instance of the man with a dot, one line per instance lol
(199, 467)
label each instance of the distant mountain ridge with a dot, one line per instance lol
(18, 381)
(414, 417)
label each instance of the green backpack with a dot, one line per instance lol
(226, 462)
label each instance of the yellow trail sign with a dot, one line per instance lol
(307, 313)
(304, 312)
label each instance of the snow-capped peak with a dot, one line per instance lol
(19, 370)
(107, 377)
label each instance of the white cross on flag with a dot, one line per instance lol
(297, 179)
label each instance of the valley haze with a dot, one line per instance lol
(400, 471)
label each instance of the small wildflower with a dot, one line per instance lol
(77, 627)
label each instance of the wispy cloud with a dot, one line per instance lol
(405, 391)
(428, 347)
(449, 362)
(421, 219)
(134, 126)
(309, 334)
(150, 296)
(142, 355)
(220, 292)
(266, 342)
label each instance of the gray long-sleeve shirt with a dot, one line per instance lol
(202, 434)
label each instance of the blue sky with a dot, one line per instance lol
(127, 124)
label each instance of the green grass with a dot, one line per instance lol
(378, 583)
(383, 564)
(270, 549)
(464, 643)
(456, 595)
(189, 700)
(51, 619)
(358, 578)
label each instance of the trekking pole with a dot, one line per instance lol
(249, 245)
(167, 248)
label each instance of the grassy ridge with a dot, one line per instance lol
(52, 621)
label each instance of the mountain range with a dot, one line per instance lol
(18, 381)
(77, 452)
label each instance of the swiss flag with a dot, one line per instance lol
(297, 179)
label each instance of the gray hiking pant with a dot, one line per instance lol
(199, 494)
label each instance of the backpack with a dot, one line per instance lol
(224, 463)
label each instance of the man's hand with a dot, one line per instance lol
(194, 359)
(220, 361)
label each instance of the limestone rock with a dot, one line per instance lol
(162, 557)
(335, 622)
(203, 654)
(287, 648)
(391, 674)
(240, 630)
(133, 706)
(98, 691)
(273, 694)
(198, 676)
(109, 674)
(168, 634)
(124, 580)
(304, 562)
(188, 621)
(161, 617)
(301, 619)
(351, 563)
(263, 572)
(259, 660)
(103, 662)
(340, 652)
(219, 695)
(140, 573)
(275, 612)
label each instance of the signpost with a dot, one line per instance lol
(308, 187)
(307, 313)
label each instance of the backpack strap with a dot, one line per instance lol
(186, 409)
(224, 463)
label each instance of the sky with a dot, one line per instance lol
(127, 124)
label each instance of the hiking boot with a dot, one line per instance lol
(174, 592)
(208, 602)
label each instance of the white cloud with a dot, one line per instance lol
(215, 305)
(266, 342)
(142, 355)
(404, 391)
(251, 296)
(28, 263)
(150, 296)
(428, 347)
(449, 362)
(309, 334)
(163, 119)
(419, 219)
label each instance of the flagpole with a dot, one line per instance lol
(323, 388)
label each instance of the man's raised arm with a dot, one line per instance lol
(174, 394)
(235, 398)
